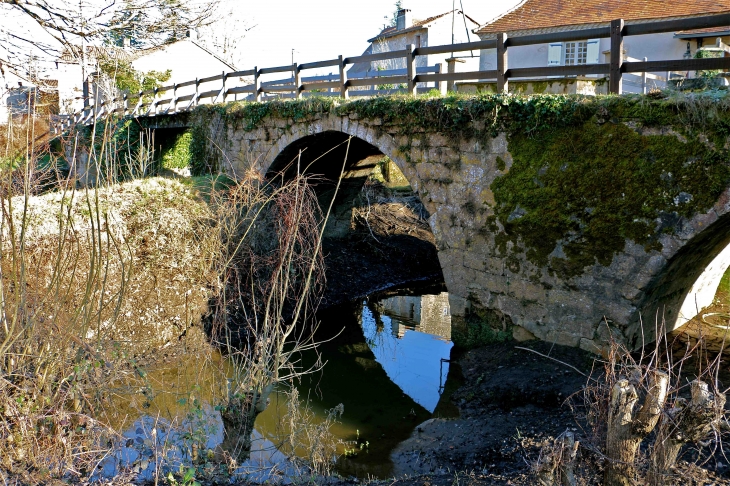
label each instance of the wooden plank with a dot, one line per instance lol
(319, 64)
(236, 74)
(278, 89)
(381, 56)
(186, 97)
(298, 83)
(148, 92)
(277, 81)
(186, 83)
(704, 22)
(393, 72)
(325, 85)
(208, 94)
(571, 35)
(617, 56)
(467, 75)
(411, 67)
(374, 81)
(462, 47)
(166, 88)
(279, 69)
(502, 64)
(677, 65)
(241, 89)
(575, 70)
(328, 77)
(211, 78)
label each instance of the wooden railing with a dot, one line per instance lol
(168, 99)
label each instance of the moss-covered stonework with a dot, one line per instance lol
(553, 211)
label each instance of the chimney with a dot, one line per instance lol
(403, 21)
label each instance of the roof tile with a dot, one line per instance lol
(542, 14)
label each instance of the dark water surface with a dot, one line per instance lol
(387, 367)
(385, 361)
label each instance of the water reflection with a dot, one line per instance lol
(384, 364)
(410, 337)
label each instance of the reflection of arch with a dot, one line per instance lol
(689, 280)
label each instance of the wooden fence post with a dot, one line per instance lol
(643, 79)
(197, 91)
(224, 95)
(297, 82)
(502, 64)
(256, 85)
(437, 84)
(125, 104)
(155, 101)
(174, 98)
(343, 80)
(411, 68)
(617, 56)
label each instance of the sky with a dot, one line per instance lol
(323, 29)
(263, 33)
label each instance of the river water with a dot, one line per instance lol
(385, 367)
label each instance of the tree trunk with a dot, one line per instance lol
(556, 467)
(238, 421)
(684, 423)
(626, 430)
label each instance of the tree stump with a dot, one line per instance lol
(627, 428)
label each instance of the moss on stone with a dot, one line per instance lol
(501, 164)
(577, 193)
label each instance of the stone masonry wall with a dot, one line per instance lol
(454, 179)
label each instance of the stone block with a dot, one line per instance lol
(562, 338)
(590, 346)
(520, 334)
(498, 145)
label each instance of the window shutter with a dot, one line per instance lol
(593, 51)
(555, 54)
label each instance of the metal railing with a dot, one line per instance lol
(168, 99)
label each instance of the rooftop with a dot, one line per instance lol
(556, 15)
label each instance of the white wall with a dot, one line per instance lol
(655, 47)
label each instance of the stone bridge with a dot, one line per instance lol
(573, 219)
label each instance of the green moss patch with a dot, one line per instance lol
(591, 187)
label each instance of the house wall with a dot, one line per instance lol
(655, 47)
(436, 33)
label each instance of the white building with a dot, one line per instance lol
(549, 16)
(447, 28)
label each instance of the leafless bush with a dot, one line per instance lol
(643, 412)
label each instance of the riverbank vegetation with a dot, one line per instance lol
(97, 279)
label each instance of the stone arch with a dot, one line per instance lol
(332, 130)
(689, 280)
(384, 142)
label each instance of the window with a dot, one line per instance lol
(573, 53)
(576, 53)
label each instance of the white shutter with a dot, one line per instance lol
(593, 51)
(555, 54)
